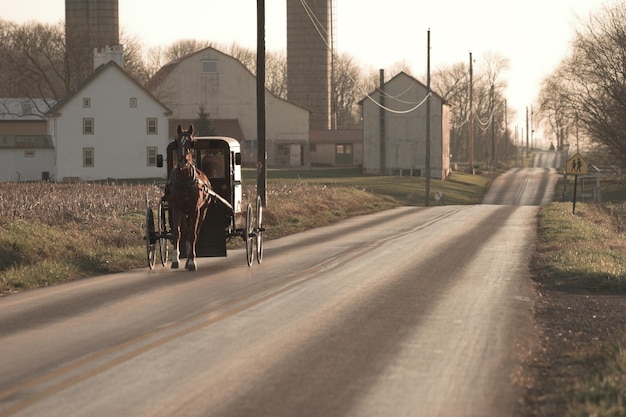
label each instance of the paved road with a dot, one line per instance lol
(413, 311)
(527, 186)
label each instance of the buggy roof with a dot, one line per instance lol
(233, 143)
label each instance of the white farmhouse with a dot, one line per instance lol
(394, 129)
(110, 127)
(225, 89)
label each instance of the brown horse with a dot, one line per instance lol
(187, 194)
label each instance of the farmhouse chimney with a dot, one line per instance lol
(113, 53)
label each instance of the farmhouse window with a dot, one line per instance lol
(209, 66)
(88, 126)
(152, 156)
(29, 154)
(344, 149)
(88, 157)
(86, 102)
(133, 102)
(152, 126)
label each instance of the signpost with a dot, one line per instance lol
(576, 166)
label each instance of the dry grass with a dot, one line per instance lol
(60, 204)
(294, 207)
(52, 233)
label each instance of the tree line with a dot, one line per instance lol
(584, 99)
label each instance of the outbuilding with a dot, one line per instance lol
(26, 149)
(394, 129)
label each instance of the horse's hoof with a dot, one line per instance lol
(190, 266)
(174, 265)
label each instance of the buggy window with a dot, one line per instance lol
(213, 163)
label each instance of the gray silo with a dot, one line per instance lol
(309, 40)
(89, 24)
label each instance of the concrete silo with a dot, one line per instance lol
(309, 58)
(89, 25)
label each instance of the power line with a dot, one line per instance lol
(316, 23)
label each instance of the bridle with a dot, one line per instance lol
(185, 162)
(185, 146)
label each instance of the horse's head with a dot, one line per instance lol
(184, 145)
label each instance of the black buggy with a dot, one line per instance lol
(220, 159)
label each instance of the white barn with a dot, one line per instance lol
(404, 133)
(226, 90)
(110, 127)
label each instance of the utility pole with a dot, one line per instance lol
(506, 133)
(493, 127)
(381, 115)
(521, 146)
(532, 128)
(527, 144)
(261, 168)
(471, 117)
(427, 187)
(515, 145)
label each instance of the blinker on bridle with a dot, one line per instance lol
(186, 145)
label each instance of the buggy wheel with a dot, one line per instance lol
(248, 235)
(150, 238)
(259, 229)
(162, 226)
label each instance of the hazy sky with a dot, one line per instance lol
(533, 34)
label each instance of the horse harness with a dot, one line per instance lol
(192, 182)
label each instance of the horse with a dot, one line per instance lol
(188, 195)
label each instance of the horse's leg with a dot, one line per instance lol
(195, 224)
(192, 238)
(176, 238)
(195, 227)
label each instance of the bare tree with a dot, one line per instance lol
(244, 55)
(154, 60)
(596, 75)
(347, 90)
(453, 84)
(586, 94)
(276, 73)
(33, 61)
(183, 48)
(555, 106)
(134, 63)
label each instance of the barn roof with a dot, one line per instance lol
(164, 72)
(111, 64)
(398, 76)
(24, 108)
(221, 127)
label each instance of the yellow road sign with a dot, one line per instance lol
(576, 165)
